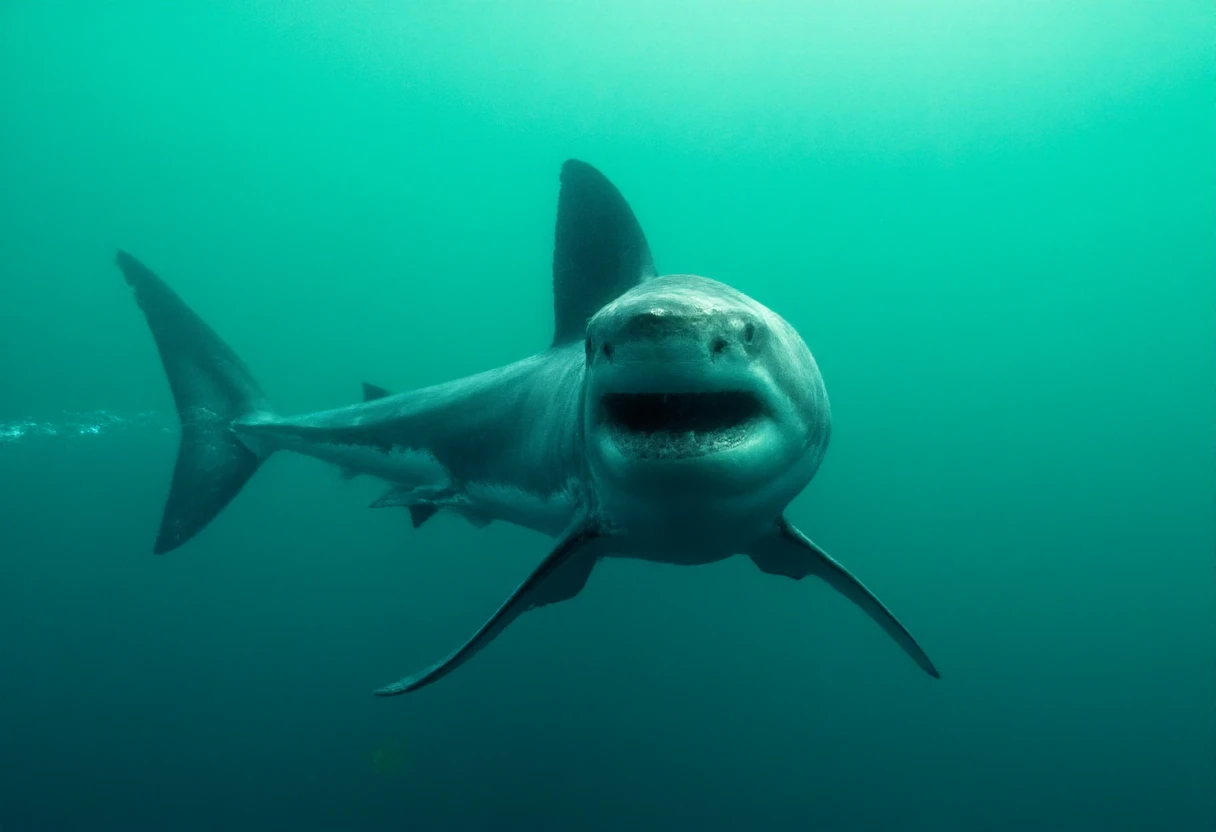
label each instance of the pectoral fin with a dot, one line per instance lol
(559, 576)
(787, 551)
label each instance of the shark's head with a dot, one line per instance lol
(700, 403)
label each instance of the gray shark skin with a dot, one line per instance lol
(671, 419)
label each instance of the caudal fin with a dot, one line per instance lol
(212, 388)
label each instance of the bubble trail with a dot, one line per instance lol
(72, 425)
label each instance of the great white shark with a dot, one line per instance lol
(672, 419)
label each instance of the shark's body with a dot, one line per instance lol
(671, 419)
(501, 445)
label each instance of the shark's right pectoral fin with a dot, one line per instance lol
(559, 576)
(787, 551)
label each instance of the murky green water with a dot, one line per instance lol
(994, 224)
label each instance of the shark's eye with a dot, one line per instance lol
(749, 332)
(589, 348)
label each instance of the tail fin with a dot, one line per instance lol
(212, 388)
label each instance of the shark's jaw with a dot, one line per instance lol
(669, 427)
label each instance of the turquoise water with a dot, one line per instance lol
(993, 223)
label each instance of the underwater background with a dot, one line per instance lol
(993, 223)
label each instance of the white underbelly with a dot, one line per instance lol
(548, 513)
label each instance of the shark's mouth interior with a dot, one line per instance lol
(680, 424)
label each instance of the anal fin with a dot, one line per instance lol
(424, 502)
(419, 501)
(422, 512)
(406, 496)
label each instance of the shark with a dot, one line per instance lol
(671, 419)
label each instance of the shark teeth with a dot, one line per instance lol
(664, 445)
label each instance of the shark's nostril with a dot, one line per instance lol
(749, 333)
(589, 348)
(608, 351)
(717, 346)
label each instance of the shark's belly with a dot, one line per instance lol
(550, 513)
(673, 556)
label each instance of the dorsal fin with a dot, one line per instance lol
(371, 392)
(599, 250)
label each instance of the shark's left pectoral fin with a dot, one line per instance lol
(787, 551)
(559, 576)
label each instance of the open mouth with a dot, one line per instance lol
(663, 425)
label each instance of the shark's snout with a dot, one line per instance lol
(684, 335)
